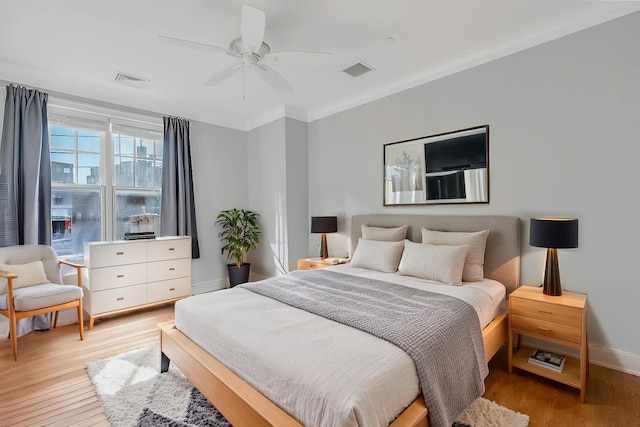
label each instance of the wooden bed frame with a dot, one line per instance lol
(242, 405)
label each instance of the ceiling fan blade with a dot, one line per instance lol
(222, 75)
(306, 59)
(252, 25)
(194, 45)
(274, 79)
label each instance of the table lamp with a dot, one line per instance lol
(324, 224)
(553, 234)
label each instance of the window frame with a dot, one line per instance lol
(109, 122)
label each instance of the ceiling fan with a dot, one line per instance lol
(252, 52)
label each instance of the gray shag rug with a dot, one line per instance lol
(134, 393)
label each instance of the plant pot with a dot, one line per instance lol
(238, 275)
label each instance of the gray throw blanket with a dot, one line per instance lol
(441, 333)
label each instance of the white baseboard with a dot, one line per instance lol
(213, 285)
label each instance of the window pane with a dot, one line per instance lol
(62, 167)
(144, 148)
(88, 168)
(159, 148)
(123, 144)
(130, 205)
(144, 173)
(123, 171)
(62, 137)
(76, 216)
(158, 173)
(89, 140)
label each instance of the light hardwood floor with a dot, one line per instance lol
(49, 386)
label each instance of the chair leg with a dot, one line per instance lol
(81, 321)
(14, 337)
(55, 321)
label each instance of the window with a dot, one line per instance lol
(106, 173)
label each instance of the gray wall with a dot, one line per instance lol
(278, 184)
(221, 182)
(563, 141)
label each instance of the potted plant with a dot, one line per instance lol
(239, 233)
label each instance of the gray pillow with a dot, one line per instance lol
(395, 234)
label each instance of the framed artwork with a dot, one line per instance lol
(451, 167)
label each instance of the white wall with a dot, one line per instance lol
(563, 141)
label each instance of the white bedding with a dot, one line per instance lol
(319, 371)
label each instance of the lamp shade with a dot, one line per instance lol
(324, 224)
(558, 233)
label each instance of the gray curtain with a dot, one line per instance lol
(25, 179)
(25, 169)
(178, 210)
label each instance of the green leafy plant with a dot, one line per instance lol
(240, 233)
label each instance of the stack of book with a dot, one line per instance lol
(140, 235)
(547, 360)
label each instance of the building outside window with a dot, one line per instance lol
(105, 173)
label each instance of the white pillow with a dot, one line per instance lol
(474, 264)
(29, 274)
(442, 263)
(377, 255)
(395, 234)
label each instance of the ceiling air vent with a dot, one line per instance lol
(130, 80)
(358, 69)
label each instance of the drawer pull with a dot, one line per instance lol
(119, 253)
(120, 299)
(172, 249)
(172, 289)
(544, 311)
(172, 268)
(120, 276)
(544, 329)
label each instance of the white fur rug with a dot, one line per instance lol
(134, 393)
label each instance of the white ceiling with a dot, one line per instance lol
(76, 47)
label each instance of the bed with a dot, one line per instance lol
(240, 401)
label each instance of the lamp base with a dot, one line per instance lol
(551, 285)
(324, 253)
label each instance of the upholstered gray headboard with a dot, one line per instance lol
(502, 254)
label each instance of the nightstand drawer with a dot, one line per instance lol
(556, 313)
(523, 324)
(305, 264)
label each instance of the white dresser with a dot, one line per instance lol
(126, 275)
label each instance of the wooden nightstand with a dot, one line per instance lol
(556, 319)
(313, 263)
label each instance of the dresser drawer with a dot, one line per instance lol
(117, 254)
(570, 316)
(160, 250)
(117, 277)
(117, 299)
(172, 269)
(544, 328)
(169, 289)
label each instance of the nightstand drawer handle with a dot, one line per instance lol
(544, 329)
(119, 253)
(120, 276)
(120, 299)
(544, 311)
(172, 268)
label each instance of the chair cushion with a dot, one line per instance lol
(29, 274)
(39, 296)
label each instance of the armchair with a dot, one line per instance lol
(31, 284)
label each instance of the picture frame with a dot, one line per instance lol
(445, 168)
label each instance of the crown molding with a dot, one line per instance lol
(50, 82)
(590, 15)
